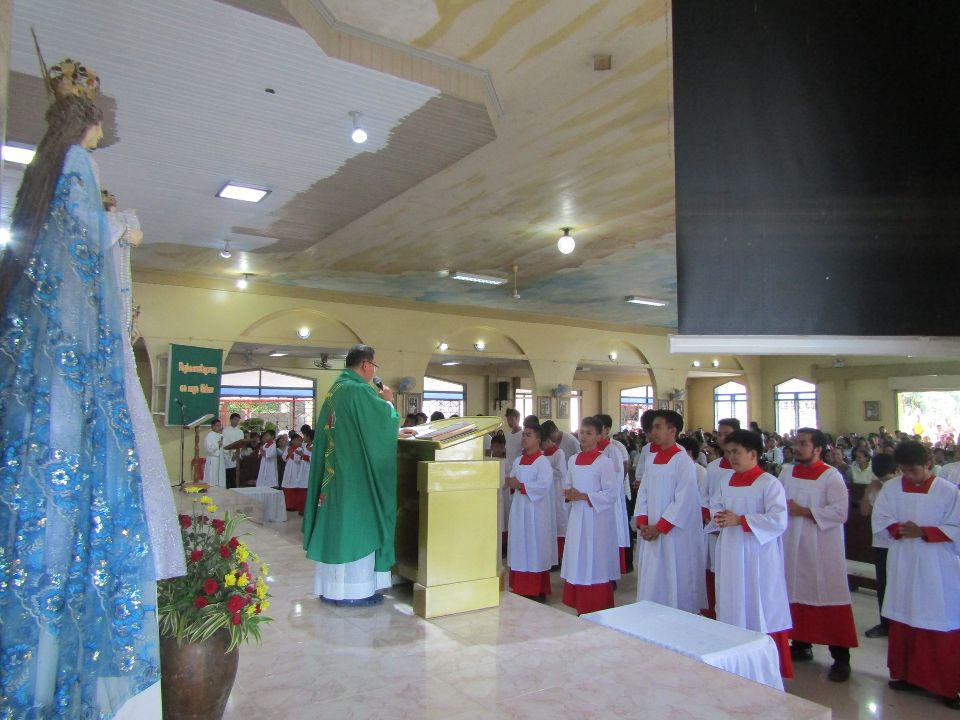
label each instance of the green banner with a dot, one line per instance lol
(193, 383)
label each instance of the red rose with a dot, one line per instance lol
(246, 568)
(224, 551)
(196, 556)
(200, 602)
(210, 586)
(234, 543)
(236, 619)
(256, 610)
(218, 525)
(251, 589)
(235, 604)
(185, 521)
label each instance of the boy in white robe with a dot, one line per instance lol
(621, 462)
(267, 474)
(214, 469)
(591, 559)
(718, 471)
(671, 557)
(749, 508)
(292, 475)
(558, 461)
(531, 539)
(921, 514)
(815, 557)
(884, 468)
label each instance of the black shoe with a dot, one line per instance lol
(801, 654)
(952, 703)
(902, 685)
(877, 631)
(839, 673)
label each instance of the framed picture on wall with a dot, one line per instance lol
(563, 408)
(678, 406)
(871, 410)
(663, 404)
(413, 403)
(544, 407)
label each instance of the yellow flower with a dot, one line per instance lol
(206, 500)
(242, 553)
(212, 508)
(265, 604)
(263, 568)
(194, 489)
(243, 580)
(255, 557)
(230, 579)
(261, 591)
(250, 610)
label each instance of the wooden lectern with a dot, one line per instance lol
(448, 539)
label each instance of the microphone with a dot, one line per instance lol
(378, 382)
(178, 401)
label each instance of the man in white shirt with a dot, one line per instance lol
(512, 435)
(567, 442)
(232, 434)
(213, 472)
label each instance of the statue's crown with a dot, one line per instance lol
(68, 77)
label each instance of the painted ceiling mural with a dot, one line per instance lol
(445, 181)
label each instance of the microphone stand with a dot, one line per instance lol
(183, 427)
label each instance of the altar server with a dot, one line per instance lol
(267, 475)
(214, 469)
(671, 555)
(531, 539)
(814, 555)
(558, 461)
(621, 463)
(591, 562)
(749, 507)
(921, 514)
(717, 471)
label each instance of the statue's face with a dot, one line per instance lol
(92, 137)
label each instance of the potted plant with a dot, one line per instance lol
(206, 614)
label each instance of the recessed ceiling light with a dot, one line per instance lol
(480, 345)
(232, 191)
(476, 278)
(452, 362)
(17, 154)
(715, 363)
(225, 253)
(243, 281)
(637, 300)
(695, 363)
(566, 244)
(278, 354)
(442, 347)
(613, 355)
(303, 333)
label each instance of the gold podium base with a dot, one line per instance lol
(438, 600)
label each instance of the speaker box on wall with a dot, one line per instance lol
(503, 391)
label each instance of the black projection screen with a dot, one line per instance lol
(818, 166)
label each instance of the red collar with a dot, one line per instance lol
(664, 455)
(602, 444)
(588, 457)
(923, 488)
(810, 472)
(746, 479)
(550, 452)
(528, 459)
(654, 448)
(724, 464)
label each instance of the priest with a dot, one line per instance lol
(591, 561)
(921, 515)
(749, 510)
(814, 555)
(671, 555)
(532, 537)
(351, 511)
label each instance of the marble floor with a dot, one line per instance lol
(519, 661)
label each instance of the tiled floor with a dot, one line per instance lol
(318, 661)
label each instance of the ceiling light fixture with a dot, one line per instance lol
(613, 355)
(4, 236)
(452, 362)
(566, 243)
(442, 347)
(516, 292)
(303, 333)
(695, 363)
(232, 191)
(715, 363)
(225, 253)
(482, 279)
(359, 135)
(480, 346)
(243, 281)
(637, 300)
(18, 155)
(278, 354)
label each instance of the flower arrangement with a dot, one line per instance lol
(222, 588)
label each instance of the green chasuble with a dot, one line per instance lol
(355, 468)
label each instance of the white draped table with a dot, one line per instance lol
(274, 505)
(749, 654)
